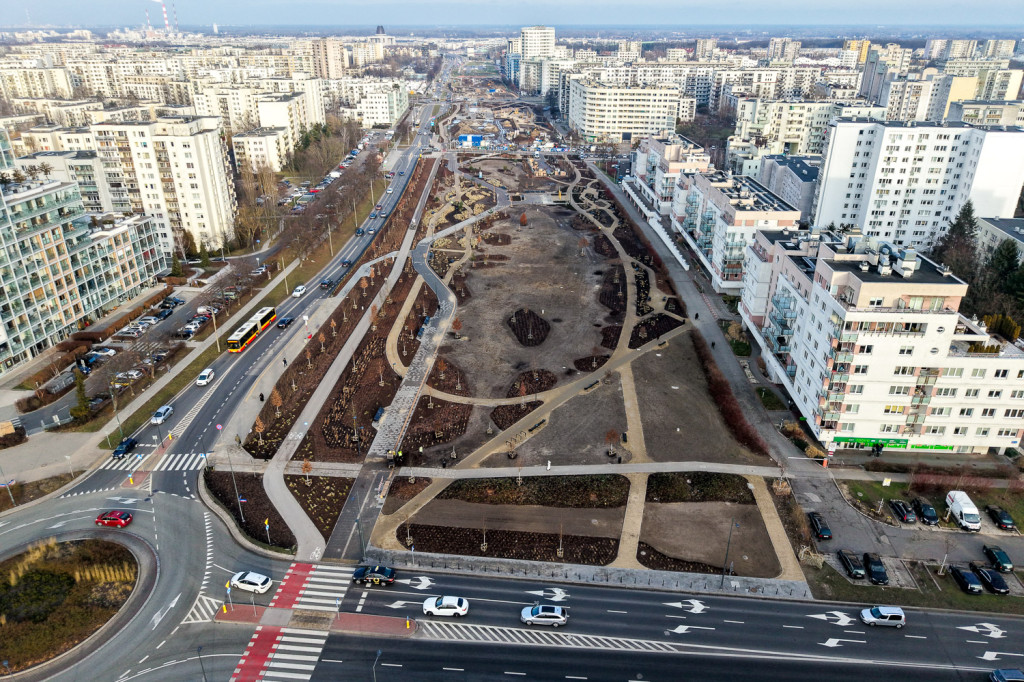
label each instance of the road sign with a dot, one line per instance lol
(219, 427)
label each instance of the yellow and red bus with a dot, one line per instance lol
(243, 336)
(263, 317)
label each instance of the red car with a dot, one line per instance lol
(117, 519)
(378, 207)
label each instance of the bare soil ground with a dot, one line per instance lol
(699, 531)
(508, 544)
(604, 523)
(546, 274)
(681, 422)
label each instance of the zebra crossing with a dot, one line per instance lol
(313, 587)
(493, 634)
(203, 610)
(168, 462)
(280, 654)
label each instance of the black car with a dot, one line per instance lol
(375, 575)
(990, 578)
(284, 322)
(819, 526)
(1000, 517)
(124, 447)
(903, 511)
(852, 563)
(926, 512)
(967, 581)
(875, 569)
(999, 558)
(164, 314)
(326, 284)
(346, 263)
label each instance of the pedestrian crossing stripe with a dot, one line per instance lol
(168, 462)
(203, 610)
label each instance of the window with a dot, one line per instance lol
(904, 371)
(953, 371)
(1014, 414)
(906, 350)
(846, 426)
(1006, 433)
(971, 393)
(941, 411)
(935, 430)
(966, 411)
(894, 409)
(946, 392)
(867, 350)
(899, 390)
(977, 373)
(851, 409)
(889, 428)
(856, 389)
(982, 432)
(994, 394)
(1001, 373)
(960, 431)
(988, 412)
(1017, 395)
(876, 302)
(860, 369)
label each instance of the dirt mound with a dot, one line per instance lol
(529, 328)
(534, 381)
(603, 246)
(510, 544)
(428, 427)
(448, 377)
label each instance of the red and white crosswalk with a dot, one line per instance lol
(276, 653)
(315, 587)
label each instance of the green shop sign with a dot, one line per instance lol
(868, 442)
(931, 447)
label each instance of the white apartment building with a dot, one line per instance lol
(793, 179)
(717, 213)
(998, 49)
(602, 112)
(904, 182)
(37, 83)
(284, 110)
(657, 164)
(83, 168)
(994, 231)
(384, 106)
(984, 112)
(330, 58)
(263, 147)
(537, 41)
(58, 111)
(867, 340)
(883, 64)
(783, 49)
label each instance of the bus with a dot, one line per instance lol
(263, 317)
(243, 336)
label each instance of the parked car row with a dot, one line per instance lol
(871, 567)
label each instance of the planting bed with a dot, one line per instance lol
(652, 328)
(441, 424)
(401, 490)
(588, 492)
(507, 544)
(257, 507)
(322, 498)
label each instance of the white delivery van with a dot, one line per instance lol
(963, 510)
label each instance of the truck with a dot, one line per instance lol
(963, 511)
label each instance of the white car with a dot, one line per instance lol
(147, 320)
(251, 582)
(105, 352)
(390, 190)
(445, 606)
(544, 614)
(162, 415)
(205, 377)
(299, 291)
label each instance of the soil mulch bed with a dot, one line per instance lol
(610, 336)
(453, 381)
(458, 285)
(653, 559)
(401, 490)
(483, 258)
(441, 262)
(55, 595)
(598, 491)
(322, 499)
(507, 544)
(429, 427)
(612, 294)
(534, 381)
(603, 246)
(257, 506)
(496, 238)
(425, 306)
(529, 328)
(652, 328)
(674, 305)
(630, 243)
(504, 416)
(590, 363)
(643, 290)
(698, 486)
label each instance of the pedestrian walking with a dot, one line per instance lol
(261, 395)
(284, 361)
(696, 316)
(712, 344)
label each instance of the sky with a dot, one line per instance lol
(521, 12)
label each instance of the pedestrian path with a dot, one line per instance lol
(169, 462)
(277, 653)
(314, 587)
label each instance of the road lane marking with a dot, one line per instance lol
(975, 641)
(513, 673)
(455, 670)
(916, 636)
(574, 677)
(611, 611)
(737, 622)
(391, 665)
(794, 627)
(854, 632)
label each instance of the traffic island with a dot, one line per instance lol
(368, 624)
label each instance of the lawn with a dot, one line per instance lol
(770, 401)
(26, 492)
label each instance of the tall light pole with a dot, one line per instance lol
(728, 544)
(7, 484)
(374, 669)
(234, 484)
(199, 652)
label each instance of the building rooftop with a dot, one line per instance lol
(84, 154)
(926, 272)
(265, 131)
(745, 193)
(804, 167)
(926, 124)
(1013, 227)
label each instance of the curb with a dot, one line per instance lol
(208, 499)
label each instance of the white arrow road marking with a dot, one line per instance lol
(423, 582)
(557, 594)
(833, 642)
(124, 500)
(696, 605)
(683, 629)
(841, 619)
(402, 604)
(994, 655)
(160, 614)
(57, 525)
(987, 629)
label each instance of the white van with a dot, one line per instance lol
(963, 511)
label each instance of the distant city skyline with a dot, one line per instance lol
(330, 13)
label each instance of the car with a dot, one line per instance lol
(999, 558)
(371, 231)
(903, 511)
(132, 374)
(299, 291)
(284, 322)
(162, 415)
(1006, 675)
(164, 314)
(819, 526)
(544, 614)
(149, 319)
(445, 606)
(890, 616)
(875, 569)
(114, 519)
(990, 578)
(126, 445)
(391, 190)
(326, 284)
(967, 581)
(851, 563)
(925, 512)
(376, 575)
(105, 352)
(346, 263)
(205, 377)
(373, 214)
(250, 581)
(401, 172)
(382, 214)
(378, 207)
(1000, 517)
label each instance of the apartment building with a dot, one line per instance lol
(57, 270)
(867, 339)
(783, 49)
(83, 168)
(994, 231)
(793, 179)
(985, 112)
(883, 64)
(704, 49)
(904, 182)
(263, 147)
(58, 111)
(35, 83)
(383, 106)
(330, 58)
(998, 49)
(717, 213)
(859, 47)
(657, 164)
(601, 112)
(536, 42)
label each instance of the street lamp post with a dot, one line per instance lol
(374, 669)
(7, 484)
(70, 470)
(728, 544)
(199, 652)
(238, 499)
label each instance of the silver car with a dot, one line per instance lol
(890, 616)
(544, 614)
